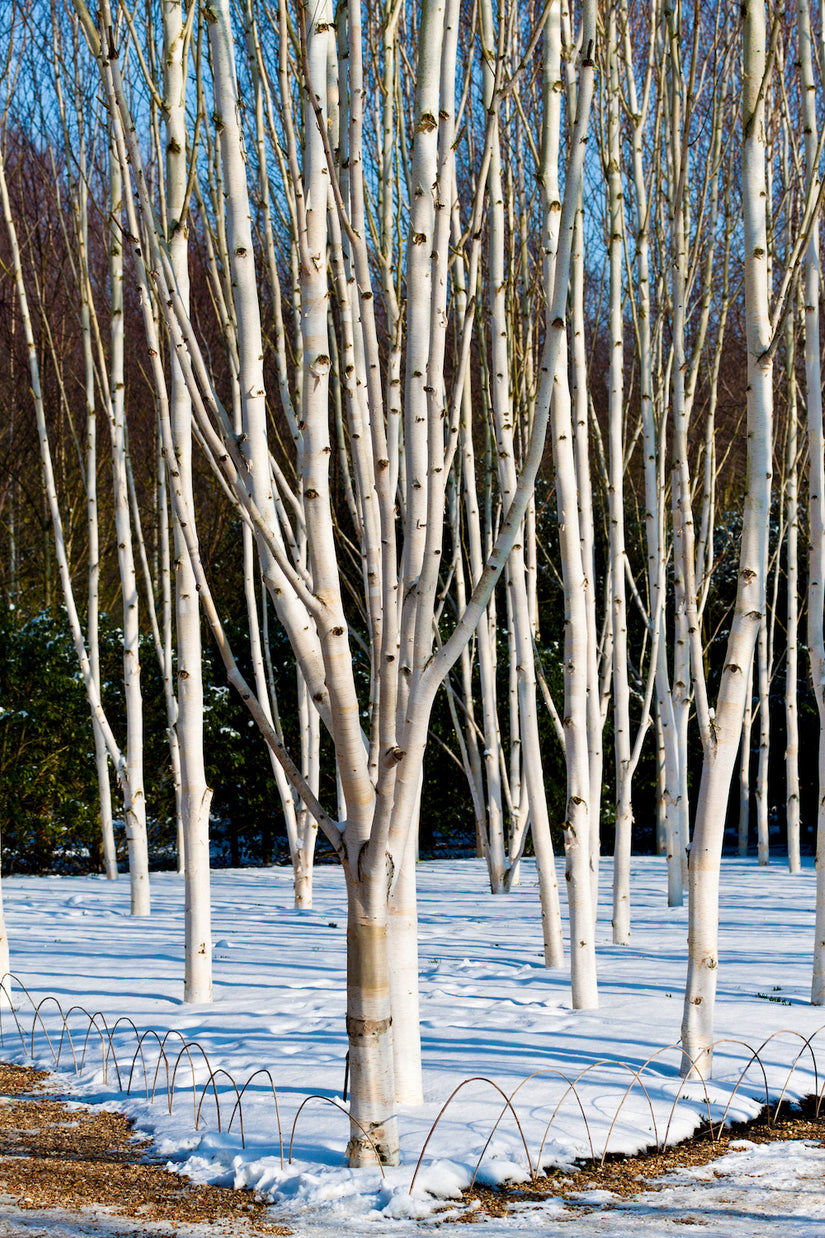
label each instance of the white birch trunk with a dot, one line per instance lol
(574, 574)
(792, 815)
(305, 827)
(524, 719)
(762, 837)
(92, 629)
(166, 653)
(618, 599)
(485, 652)
(134, 800)
(816, 484)
(93, 609)
(579, 394)
(196, 796)
(402, 944)
(722, 744)
(743, 830)
(661, 784)
(667, 730)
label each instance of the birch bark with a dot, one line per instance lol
(618, 599)
(525, 724)
(792, 814)
(762, 824)
(720, 746)
(93, 606)
(134, 803)
(816, 483)
(577, 750)
(196, 796)
(653, 463)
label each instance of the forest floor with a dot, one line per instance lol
(58, 1159)
(75, 1159)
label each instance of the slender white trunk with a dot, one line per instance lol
(526, 752)
(402, 944)
(669, 799)
(261, 655)
(661, 783)
(762, 825)
(166, 651)
(682, 513)
(816, 483)
(485, 652)
(305, 827)
(134, 803)
(92, 617)
(722, 743)
(196, 796)
(792, 817)
(618, 599)
(577, 752)
(745, 768)
(581, 419)
(466, 732)
(369, 1021)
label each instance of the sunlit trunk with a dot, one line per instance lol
(722, 744)
(134, 800)
(196, 796)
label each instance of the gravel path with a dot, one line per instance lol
(58, 1158)
(69, 1171)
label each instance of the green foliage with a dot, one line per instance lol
(49, 803)
(48, 788)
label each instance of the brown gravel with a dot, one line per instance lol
(626, 1176)
(53, 1156)
(76, 1159)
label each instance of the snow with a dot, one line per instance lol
(495, 1024)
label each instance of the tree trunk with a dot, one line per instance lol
(134, 799)
(374, 1128)
(196, 796)
(722, 743)
(816, 483)
(792, 816)
(402, 943)
(762, 824)
(743, 832)
(618, 599)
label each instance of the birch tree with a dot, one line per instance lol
(792, 811)
(526, 718)
(80, 204)
(721, 733)
(196, 796)
(380, 778)
(816, 476)
(134, 806)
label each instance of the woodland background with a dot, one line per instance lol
(48, 787)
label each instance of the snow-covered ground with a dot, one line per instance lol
(490, 1013)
